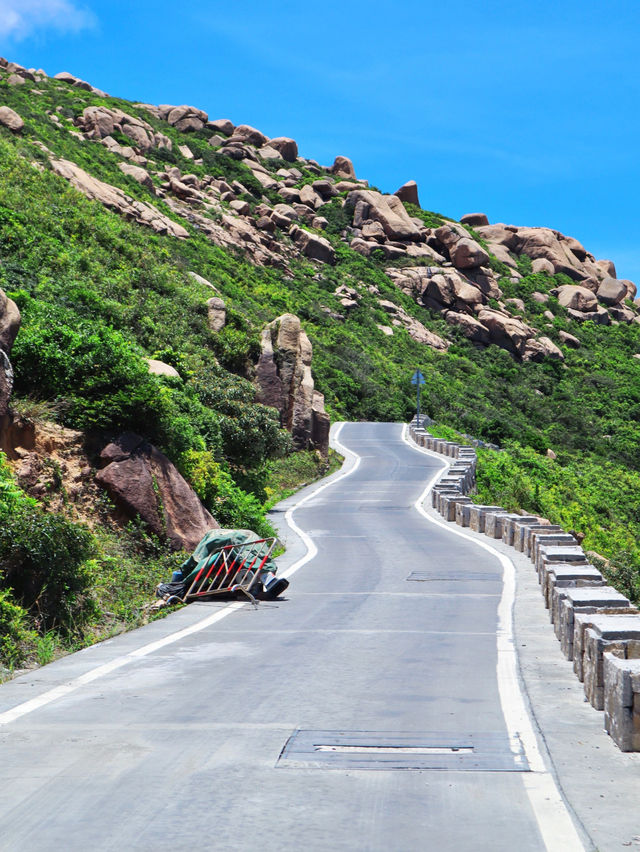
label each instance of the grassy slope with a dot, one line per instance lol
(79, 271)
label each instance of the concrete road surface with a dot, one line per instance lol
(368, 710)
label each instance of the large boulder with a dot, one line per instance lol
(187, 118)
(600, 315)
(216, 314)
(569, 339)
(503, 254)
(10, 119)
(9, 322)
(313, 246)
(98, 122)
(470, 327)
(448, 288)
(159, 368)
(139, 174)
(449, 235)
(506, 235)
(249, 135)
(507, 332)
(343, 167)
(467, 254)
(408, 192)
(474, 219)
(284, 381)
(543, 266)
(143, 483)
(577, 298)
(221, 126)
(541, 349)
(607, 268)
(310, 198)
(386, 209)
(287, 148)
(612, 291)
(623, 314)
(9, 327)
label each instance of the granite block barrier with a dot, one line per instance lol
(495, 523)
(622, 701)
(561, 577)
(558, 553)
(511, 528)
(578, 597)
(596, 625)
(567, 575)
(619, 635)
(540, 540)
(528, 531)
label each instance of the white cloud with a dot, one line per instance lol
(20, 18)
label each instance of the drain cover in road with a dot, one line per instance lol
(451, 576)
(479, 752)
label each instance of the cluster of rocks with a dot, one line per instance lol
(17, 75)
(77, 83)
(100, 123)
(351, 297)
(463, 303)
(597, 627)
(454, 275)
(233, 223)
(399, 318)
(115, 199)
(598, 294)
(284, 381)
(583, 303)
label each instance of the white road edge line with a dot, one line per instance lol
(312, 550)
(554, 820)
(100, 671)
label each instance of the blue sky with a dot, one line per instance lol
(528, 112)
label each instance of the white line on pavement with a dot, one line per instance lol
(556, 826)
(312, 550)
(70, 686)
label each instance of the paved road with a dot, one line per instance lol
(249, 735)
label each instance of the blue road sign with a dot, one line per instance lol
(417, 378)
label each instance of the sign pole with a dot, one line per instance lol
(418, 379)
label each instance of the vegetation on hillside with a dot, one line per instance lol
(98, 294)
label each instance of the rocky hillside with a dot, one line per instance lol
(184, 300)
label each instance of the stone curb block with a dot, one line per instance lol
(596, 625)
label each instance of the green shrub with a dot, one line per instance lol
(41, 562)
(11, 496)
(231, 506)
(250, 432)
(16, 636)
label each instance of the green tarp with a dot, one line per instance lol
(216, 540)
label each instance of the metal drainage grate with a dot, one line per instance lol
(452, 576)
(372, 750)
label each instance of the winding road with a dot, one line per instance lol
(377, 707)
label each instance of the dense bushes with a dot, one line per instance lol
(42, 556)
(600, 499)
(98, 294)
(229, 504)
(42, 570)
